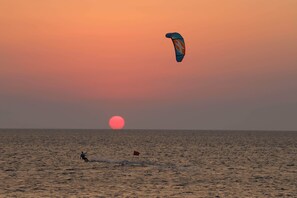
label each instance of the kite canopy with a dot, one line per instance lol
(179, 45)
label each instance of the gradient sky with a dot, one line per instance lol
(75, 63)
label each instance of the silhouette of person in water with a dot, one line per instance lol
(84, 156)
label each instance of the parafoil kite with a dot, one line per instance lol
(179, 45)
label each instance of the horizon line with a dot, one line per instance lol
(154, 129)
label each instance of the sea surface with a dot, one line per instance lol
(46, 163)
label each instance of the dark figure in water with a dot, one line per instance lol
(83, 156)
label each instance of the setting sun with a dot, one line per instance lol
(116, 122)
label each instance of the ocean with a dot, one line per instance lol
(172, 163)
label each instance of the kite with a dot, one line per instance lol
(179, 45)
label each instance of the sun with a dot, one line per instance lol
(116, 122)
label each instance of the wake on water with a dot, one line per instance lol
(132, 163)
(121, 162)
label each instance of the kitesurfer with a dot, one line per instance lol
(84, 156)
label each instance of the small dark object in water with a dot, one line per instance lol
(136, 153)
(83, 156)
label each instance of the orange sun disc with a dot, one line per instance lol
(116, 122)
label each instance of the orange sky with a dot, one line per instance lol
(116, 51)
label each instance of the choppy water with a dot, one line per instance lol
(45, 163)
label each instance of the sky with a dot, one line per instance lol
(75, 63)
